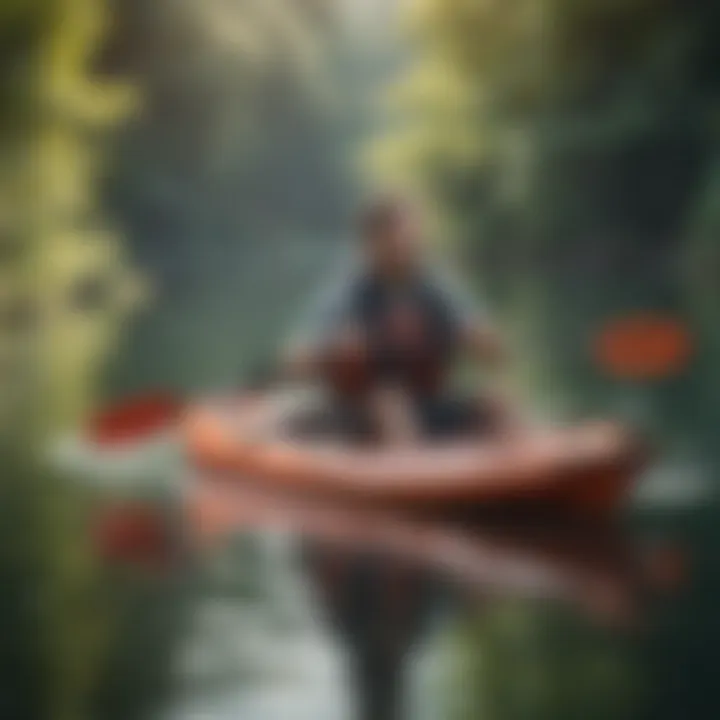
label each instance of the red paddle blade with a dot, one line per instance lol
(135, 419)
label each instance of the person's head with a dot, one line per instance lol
(392, 235)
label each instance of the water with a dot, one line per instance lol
(301, 612)
(552, 622)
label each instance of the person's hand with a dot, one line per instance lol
(300, 361)
(486, 346)
(350, 343)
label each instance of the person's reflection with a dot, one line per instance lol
(379, 607)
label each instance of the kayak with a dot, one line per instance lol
(587, 468)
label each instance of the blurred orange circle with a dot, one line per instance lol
(643, 347)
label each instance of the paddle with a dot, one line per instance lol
(135, 419)
(147, 414)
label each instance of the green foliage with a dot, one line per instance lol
(569, 142)
(518, 659)
(55, 334)
(53, 242)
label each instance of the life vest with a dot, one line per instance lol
(411, 337)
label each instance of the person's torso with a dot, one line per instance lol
(410, 330)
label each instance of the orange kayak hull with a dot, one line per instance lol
(588, 468)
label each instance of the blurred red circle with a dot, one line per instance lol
(134, 419)
(643, 347)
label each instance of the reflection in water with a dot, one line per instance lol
(378, 607)
(538, 615)
(523, 659)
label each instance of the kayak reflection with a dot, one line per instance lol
(381, 576)
(559, 558)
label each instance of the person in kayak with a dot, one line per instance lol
(387, 338)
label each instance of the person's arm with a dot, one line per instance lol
(475, 332)
(327, 325)
(487, 350)
(484, 343)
